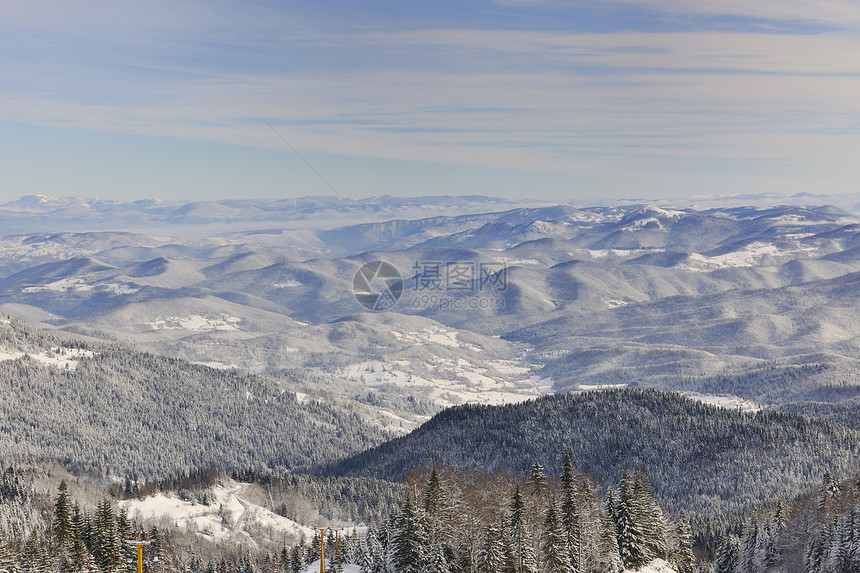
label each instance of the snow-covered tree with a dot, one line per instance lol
(491, 558)
(728, 554)
(62, 518)
(683, 558)
(554, 550)
(570, 512)
(631, 538)
(408, 542)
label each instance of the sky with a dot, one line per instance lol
(561, 100)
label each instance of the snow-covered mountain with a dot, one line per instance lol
(554, 297)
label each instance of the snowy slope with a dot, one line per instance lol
(228, 517)
(315, 568)
(656, 566)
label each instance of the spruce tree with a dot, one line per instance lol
(610, 557)
(35, 560)
(728, 555)
(491, 556)
(527, 561)
(517, 524)
(537, 480)
(316, 546)
(631, 542)
(814, 556)
(408, 550)
(62, 520)
(437, 561)
(554, 549)
(297, 560)
(683, 558)
(748, 549)
(432, 492)
(650, 517)
(570, 512)
(107, 547)
(78, 554)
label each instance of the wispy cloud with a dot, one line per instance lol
(843, 14)
(672, 104)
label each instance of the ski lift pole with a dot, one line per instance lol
(322, 550)
(139, 544)
(322, 545)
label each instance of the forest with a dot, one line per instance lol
(702, 458)
(450, 520)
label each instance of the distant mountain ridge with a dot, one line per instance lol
(711, 299)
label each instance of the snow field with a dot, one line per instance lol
(315, 568)
(459, 382)
(80, 284)
(227, 517)
(65, 358)
(196, 323)
(656, 566)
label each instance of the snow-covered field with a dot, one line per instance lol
(59, 357)
(315, 567)
(454, 382)
(594, 387)
(196, 323)
(228, 517)
(749, 256)
(729, 402)
(656, 566)
(80, 284)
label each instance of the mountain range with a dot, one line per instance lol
(548, 297)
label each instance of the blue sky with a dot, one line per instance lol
(625, 99)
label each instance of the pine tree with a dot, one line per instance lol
(491, 556)
(570, 513)
(683, 559)
(728, 555)
(610, 556)
(62, 522)
(538, 480)
(437, 561)
(35, 560)
(408, 540)
(78, 553)
(107, 547)
(649, 516)
(432, 492)
(555, 552)
(631, 542)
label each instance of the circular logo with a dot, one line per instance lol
(377, 285)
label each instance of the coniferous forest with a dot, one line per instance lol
(572, 483)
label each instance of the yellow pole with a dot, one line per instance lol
(140, 559)
(322, 550)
